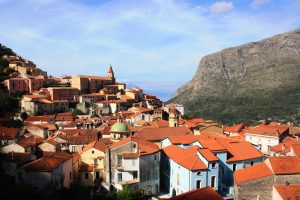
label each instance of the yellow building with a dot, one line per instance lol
(92, 84)
(92, 163)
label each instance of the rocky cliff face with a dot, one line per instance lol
(244, 82)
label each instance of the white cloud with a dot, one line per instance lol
(221, 7)
(258, 3)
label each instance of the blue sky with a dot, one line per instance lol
(155, 44)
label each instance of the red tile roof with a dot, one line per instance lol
(48, 163)
(158, 134)
(239, 150)
(285, 146)
(206, 193)
(44, 118)
(268, 130)
(187, 158)
(236, 128)
(8, 133)
(285, 165)
(145, 148)
(251, 173)
(183, 139)
(96, 145)
(208, 155)
(30, 141)
(296, 148)
(14, 157)
(288, 192)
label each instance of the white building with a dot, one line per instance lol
(133, 162)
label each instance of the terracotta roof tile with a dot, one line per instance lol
(296, 148)
(187, 158)
(289, 192)
(206, 193)
(257, 171)
(268, 130)
(145, 148)
(9, 133)
(48, 163)
(208, 155)
(285, 146)
(158, 134)
(96, 145)
(285, 165)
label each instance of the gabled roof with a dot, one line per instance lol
(145, 148)
(286, 145)
(8, 133)
(288, 192)
(285, 165)
(239, 150)
(48, 163)
(44, 118)
(274, 130)
(96, 145)
(19, 158)
(208, 155)
(206, 193)
(187, 158)
(183, 139)
(30, 141)
(236, 128)
(251, 173)
(158, 134)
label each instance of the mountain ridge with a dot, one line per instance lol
(255, 72)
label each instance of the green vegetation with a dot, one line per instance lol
(128, 194)
(76, 111)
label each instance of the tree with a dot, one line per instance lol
(128, 194)
(76, 111)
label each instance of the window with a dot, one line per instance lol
(252, 163)
(213, 182)
(134, 146)
(86, 175)
(213, 165)
(199, 174)
(93, 152)
(155, 157)
(178, 179)
(95, 161)
(119, 177)
(119, 161)
(234, 167)
(97, 175)
(135, 174)
(73, 148)
(198, 184)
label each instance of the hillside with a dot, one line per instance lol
(253, 81)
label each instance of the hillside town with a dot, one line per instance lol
(95, 132)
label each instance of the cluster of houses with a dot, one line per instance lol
(128, 138)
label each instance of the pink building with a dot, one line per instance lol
(63, 93)
(14, 85)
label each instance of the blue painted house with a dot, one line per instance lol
(232, 155)
(183, 170)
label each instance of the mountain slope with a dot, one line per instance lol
(255, 80)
